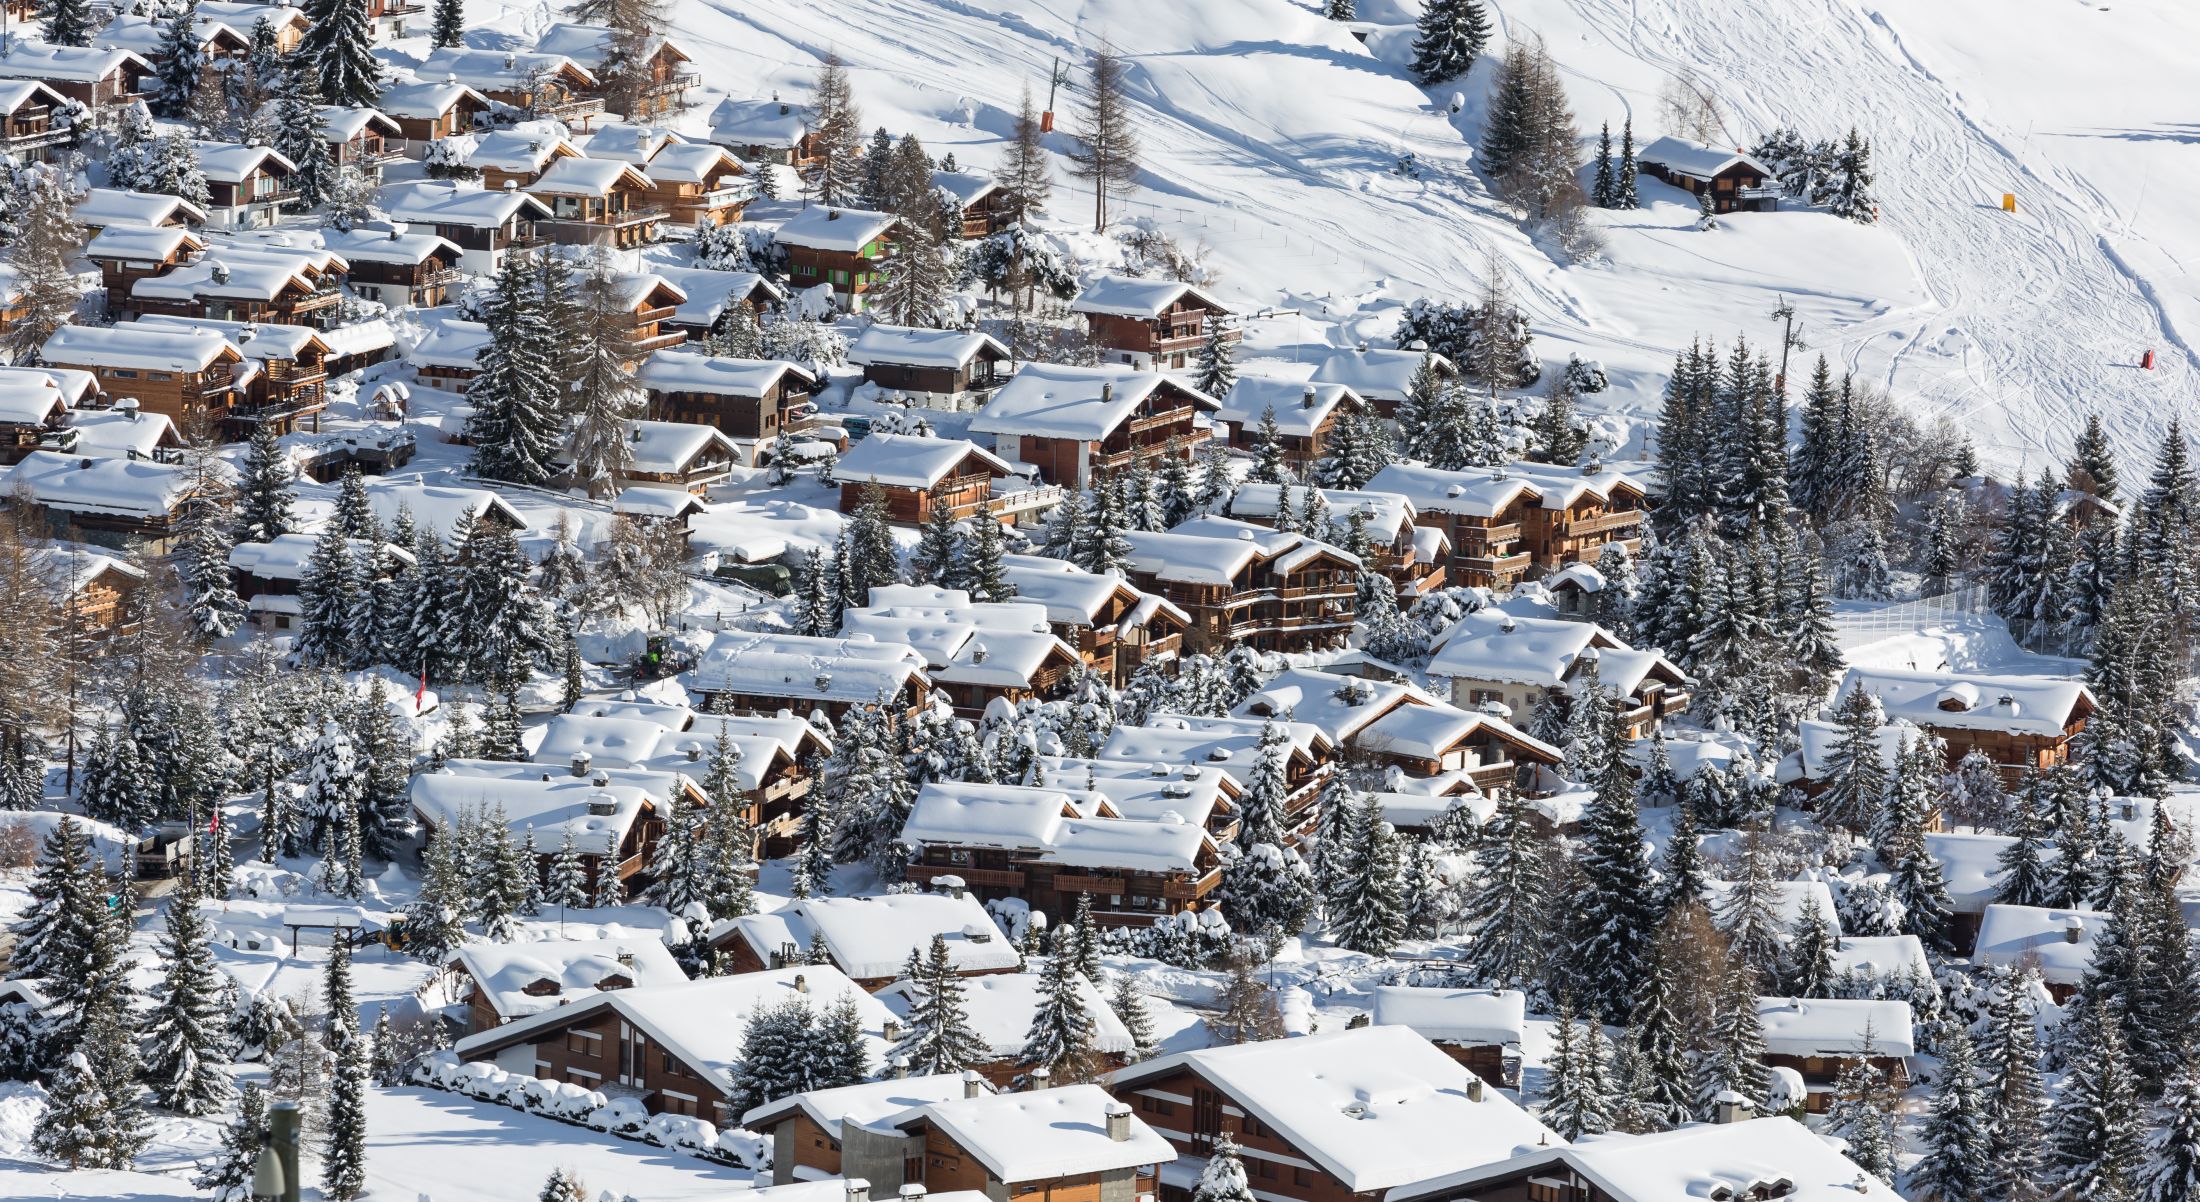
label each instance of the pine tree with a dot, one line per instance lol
(1852, 196)
(1856, 771)
(1024, 173)
(676, 866)
(1222, 1178)
(449, 23)
(47, 291)
(2095, 1148)
(1367, 910)
(1750, 913)
(1129, 1004)
(1217, 369)
(68, 22)
(2172, 1172)
(344, 1155)
(186, 1045)
(215, 609)
(517, 424)
(1861, 1113)
(1956, 1168)
(178, 61)
(338, 51)
(1577, 1091)
(264, 495)
(933, 562)
(1059, 1039)
(563, 1185)
(82, 1126)
(1806, 964)
(604, 398)
(2017, 1138)
(939, 1038)
(1623, 188)
(1106, 151)
(54, 936)
(229, 1177)
(1451, 35)
(1655, 1030)
(1615, 909)
(778, 1049)
(1605, 190)
(1734, 1057)
(2092, 466)
(837, 135)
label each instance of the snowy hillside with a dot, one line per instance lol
(1271, 136)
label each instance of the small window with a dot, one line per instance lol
(1301, 1178)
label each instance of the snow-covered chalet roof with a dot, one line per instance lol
(775, 123)
(1377, 1107)
(870, 938)
(1377, 373)
(588, 177)
(671, 448)
(1970, 866)
(1697, 160)
(1133, 296)
(520, 979)
(2030, 705)
(914, 461)
(1043, 1134)
(115, 206)
(232, 163)
(1489, 644)
(1384, 515)
(803, 669)
(833, 228)
(711, 293)
(1074, 597)
(1834, 1026)
(1052, 400)
(691, 371)
(141, 243)
(438, 507)
(441, 202)
(1300, 406)
(1479, 1017)
(1688, 1162)
(498, 70)
(425, 99)
(2060, 940)
(122, 433)
(865, 1105)
(1000, 1006)
(284, 557)
(29, 58)
(1882, 956)
(1046, 824)
(126, 488)
(907, 346)
(552, 803)
(519, 151)
(137, 346)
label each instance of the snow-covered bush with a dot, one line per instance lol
(620, 1116)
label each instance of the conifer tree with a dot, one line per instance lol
(1059, 1039)
(1451, 35)
(2092, 466)
(1655, 1030)
(1367, 909)
(1217, 369)
(344, 1155)
(1852, 195)
(215, 609)
(2095, 1136)
(940, 1038)
(337, 50)
(2017, 1138)
(449, 23)
(1749, 914)
(677, 868)
(778, 1053)
(186, 1044)
(178, 61)
(1955, 1168)
(82, 1126)
(603, 398)
(2172, 1172)
(1222, 1179)
(229, 1177)
(1129, 1004)
(1856, 771)
(1623, 187)
(1605, 187)
(1577, 1090)
(68, 22)
(1615, 909)
(516, 426)
(568, 883)
(1862, 1113)
(1807, 961)
(264, 494)
(47, 291)
(933, 561)
(1734, 1057)
(55, 934)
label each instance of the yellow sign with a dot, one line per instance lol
(2008, 202)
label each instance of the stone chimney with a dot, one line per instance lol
(900, 1065)
(912, 1192)
(859, 1190)
(2073, 929)
(892, 1032)
(801, 983)
(973, 1084)
(1474, 1088)
(1119, 1122)
(1107, 390)
(1041, 1078)
(1730, 1107)
(581, 761)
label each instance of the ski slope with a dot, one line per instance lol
(1270, 138)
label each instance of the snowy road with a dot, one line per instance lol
(2041, 321)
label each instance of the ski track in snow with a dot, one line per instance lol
(2045, 318)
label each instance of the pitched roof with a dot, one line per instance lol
(440, 202)
(1834, 1026)
(872, 937)
(773, 122)
(800, 668)
(512, 975)
(828, 227)
(2058, 939)
(1052, 400)
(552, 804)
(2033, 705)
(135, 345)
(907, 346)
(1043, 1134)
(999, 1006)
(1300, 406)
(1444, 1015)
(1489, 644)
(1698, 160)
(588, 177)
(438, 507)
(1132, 296)
(692, 371)
(101, 487)
(1376, 1107)
(912, 461)
(115, 206)
(1690, 1163)
(1378, 373)
(28, 58)
(518, 150)
(863, 1105)
(497, 70)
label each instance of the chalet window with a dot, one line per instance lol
(958, 856)
(124, 373)
(1301, 1177)
(1263, 1169)
(839, 276)
(584, 1043)
(158, 375)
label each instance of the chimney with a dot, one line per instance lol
(892, 1030)
(972, 1083)
(1041, 1078)
(2131, 809)
(1505, 624)
(1119, 1122)
(912, 1192)
(602, 805)
(832, 214)
(952, 885)
(625, 957)
(2073, 929)
(1107, 390)
(1474, 1088)
(900, 1064)
(1730, 1108)
(220, 271)
(127, 407)
(580, 763)
(801, 983)
(1306, 399)
(1361, 346)
(859, 1190)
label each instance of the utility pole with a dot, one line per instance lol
(1789, 340)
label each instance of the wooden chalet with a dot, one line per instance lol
(288, 22)
(1114, 626)
(1233, 747)
(827, 1134)
(427, 109)
(597, 202)
(246, 281)
(906, 468)
(1414, 557)
(399, 268)
(1382, 377)
(27, 130)
(1819, 1037)
(285, 378)
(697, 183)
(266, 575)
(672, 1047)
(2019, 723)
(126, 254)
(840, 247)
(190, 376)
(869, 939)
(765, 131)
(983, 206)
(1735, 181)
(248, 186)
(939, 369)
(715, 298)
(999, 1009)
(34, 415)
(101, 78)
(516, 158)
(449, 354)
(134, 505)
(1149, 324)
(975, 654)
(1737, 1157)
(365, 138)
(1073, 422)
(661, 87)
(615, 815)
(102, 207)
(1329, 1117)
(1051, 848)
(1476, 1027)
(1523, 521)
(538, 85)
(1073, 1143)
(100, 595)
(682, 455)
(1383, 725)
(752, 400)
(391, 19)
(484, 225)
(1520, 664)
(220, 42)
(506, 982)
(1302, 412)
(763, 673)
(1248, 585)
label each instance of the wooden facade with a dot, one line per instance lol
(27, 131)
(187, 398)
(1170, 340)
(1120, 896)
(622, 215)
(737, 414)
(1192, 1113)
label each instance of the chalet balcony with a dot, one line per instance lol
(1601, 523)
(1759, 193)
(34, 140)
(1154, 421)
(976, 878)
(437, 279)
(573, 108)
(1179, 889)
(657, 342)
(673, 84)
(1507, 533)
(401, 8)
(1091, 884)
(1028, 500)
(1496, 564)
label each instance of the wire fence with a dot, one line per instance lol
(1859, 628)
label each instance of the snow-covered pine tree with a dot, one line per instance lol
(933, 561)
(940, 1038)
(676, 866)
(517, 423)
(344, 1154)
(1955, 1168)
(603, 397)
(1129, 1004)
(1222, 1178)
(1059, 1039)
(337, 51)
(1616, 910)
(1862, 1114)
(215, 608)
(2015, 1095)
(872, 559)
(1623, 188)
(1806, 964)
(68, 22)
(2092, 466)
(1856, 770)
(229, 1177)
(1749, 914)
(1217, 369)
(81, 1126)
(187, 1047)
(1852, 195)
(1450, 36)
(47, 291)
(1367, 911)
(2172, 1171)
(179, 61)
(264, 494)
(1604, 188)
(778, 1050)
(448, 23)
(1577, 1089)
(2096, 1130)
(568, 883)
(1267, 890)
(1733, 1058)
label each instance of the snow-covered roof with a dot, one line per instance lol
(1405, 810)
(497, 70)
(452, 343)
(1138, 792)
(347, 121)
(1485, 492)
(829, 227)
(1000, 1006)
(803, 669)
(1043, 1134)
(20, 93)
(145, 34)
(230, 273)
(1133, 296)
(1697, 160)
(965, 187)
(650, 501)
(1214, 550)
(392, 245)
(863, 1105)
(1882, 956)
(69, 568)
(1377, 1107)
(141, 243)
(31, 404)
(1045, 823)
(1340, 705)
(553, 803)
(243, 14)
(2032, 705)
(615, 742)
(590, 44)
(701, 163)
(913, 461)
(441, 202)
(518, 151)
(115, 206)
(1383, 514)
(1300, 406)
(907, 346)
(234, 163)
(526, 978)
(1378, 374)
(2059, 940)
(1835, 1026)
(710, 293)
(691, 371)
(1463, 1016)
(1820, 738)
(871, 937)
(285, 556)
(438, 507)
(1685, 1164)
(74, 387)
(701, 1022)
(425, 99)
(125, 488)
(1230, 745)
(773, 122)
(1074, 597)
(253, 340)
(588, 177)
(1970, 865)
(29, 58)
(1052, 400)
(670, 448)
(122, 433)
(1489, 644)
(136, 345)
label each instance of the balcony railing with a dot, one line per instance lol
(1602, 522)
(32, 141)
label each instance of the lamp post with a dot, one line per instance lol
(275, 1174)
